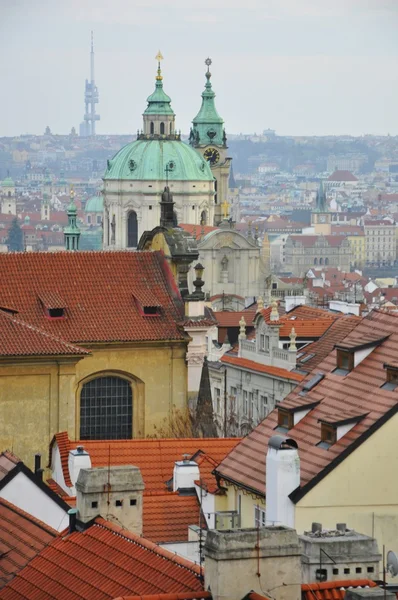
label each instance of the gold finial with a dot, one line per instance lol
(71, 193)
(225, 207)
(159, 57)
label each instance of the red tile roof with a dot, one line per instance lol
(188, 596)
(309, 241)
(100, 563)
(341, 175)
(155, 457)
(307, 321)
(8, 461)
(251, 365)
(231, 319)
(314, 353)
(199, 231)
(168, 515)
(22, 537)
(98, 289)
(245, 464)
(333, 590)
(18, 338)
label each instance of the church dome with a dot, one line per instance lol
(147, 160)
(7, 182)
(94, 204)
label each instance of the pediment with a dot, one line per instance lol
(227, 239)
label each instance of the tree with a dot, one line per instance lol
(15, 237)
(178, 425)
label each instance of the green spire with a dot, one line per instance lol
(72, 231)
(159, 101)
(208, 126)
(321, 202)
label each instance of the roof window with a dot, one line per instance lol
(54, 305)
(307, 358)
(336, 425)
(391, 377)
(309, 385)
(350, 356)
(285, 420)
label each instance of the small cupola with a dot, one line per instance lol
(159, 117)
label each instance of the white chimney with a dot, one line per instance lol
(282, 477)
(77, 459)
(185, 473)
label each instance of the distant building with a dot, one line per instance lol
(380, 241)
(305, 251)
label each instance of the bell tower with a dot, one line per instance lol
(208, 136)
(321, 218)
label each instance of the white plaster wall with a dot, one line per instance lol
(27, 496)
(56, 470)
(208, 506)
(282, 477)
(188, 550)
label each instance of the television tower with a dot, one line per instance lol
(91, 98)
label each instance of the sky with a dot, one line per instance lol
(301, 67)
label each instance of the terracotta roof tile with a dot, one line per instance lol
(97, 288)
(102, 562)
(189, 596)
(155, 457)
(341, 175)
(22, 537)
(244, 363)
(168, 515)
(231, 319)
(333, 590)
(199, 231)
(358, 390)
(8, 461)
(18, 338)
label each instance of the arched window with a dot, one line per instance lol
(162, 128)
(152, 128)
(326, 261)
(106, 409)
(321, 261)
(132, 230)
(315, 261)
(215, 189)
(171, 128)
(203, 218)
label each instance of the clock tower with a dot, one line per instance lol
(208, 136)
(321, 218)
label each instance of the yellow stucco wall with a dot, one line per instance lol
(238, 498)
(39, 398)
(357, 243)
(362, 491)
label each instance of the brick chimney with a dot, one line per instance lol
(114, 493)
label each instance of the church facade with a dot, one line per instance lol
(196, 173)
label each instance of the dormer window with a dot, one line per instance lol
(147, 303)
(285, 420)
(54, 305)
(345, 362)
(391, 377)
(328, 435)
(336, 425)
(350, 356)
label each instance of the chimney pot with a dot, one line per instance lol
(315, 527)
(37, 462)
(72, 512)
(341, 527)
(80, 449)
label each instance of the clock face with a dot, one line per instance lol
(212, 155)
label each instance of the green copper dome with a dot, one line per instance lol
(94, 204)
(7, 182)
(208, 126)
(147, 160)
(159, 102)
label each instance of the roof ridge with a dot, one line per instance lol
(148, 545)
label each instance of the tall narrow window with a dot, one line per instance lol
(162, 128)
(152, 128)
(106, 409)
(132, 230)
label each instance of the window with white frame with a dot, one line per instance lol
(217, 399)
(245, 403)
(263, 406)
(259, 517)
(252, 405)
(232, 398)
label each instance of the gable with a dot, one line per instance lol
(226, 239)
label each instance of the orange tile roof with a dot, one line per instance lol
(333, 590)
(358, 390)
(21, 339)
(307, 321)
(231, 319)
(97, 288)
(342, 175)
(8, 461)
(22, 537)
(155, 457)
(255, 366)
(102, 562)
(189, 596)
(199, 231)
(168, 515)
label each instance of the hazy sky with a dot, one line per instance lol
(307, 67)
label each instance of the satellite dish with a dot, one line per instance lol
(392, 563)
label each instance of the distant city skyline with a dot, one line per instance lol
(315, 67)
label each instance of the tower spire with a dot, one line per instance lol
(72, 231)
(91, 98)
(208, 126)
